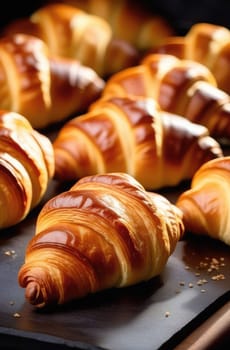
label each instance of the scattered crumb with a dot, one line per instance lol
(218, 277)
(16, 315)
(167, 314)
(182, 283)
(202, 281)
(209, 265)
(11, 302)
(9, 252)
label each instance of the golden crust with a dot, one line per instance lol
(105, 232)
(133, 136)
(180, 86)
(205, 204)
(27, 165)
(43, 88)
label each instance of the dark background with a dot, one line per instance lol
(180, 13)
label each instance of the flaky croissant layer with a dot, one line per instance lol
(106, 231)
(205, 205)
(180, 86)
(134, 136)
(26, 166)
(45, 89)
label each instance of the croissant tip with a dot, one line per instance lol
(33, 294)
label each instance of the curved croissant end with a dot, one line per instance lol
(26, 166)
(105, 232)
(205, 205)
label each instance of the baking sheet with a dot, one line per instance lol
(133, 318)
(152, 315)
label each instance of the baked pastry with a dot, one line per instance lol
(71, 32)
(45, 89)
(206, 43)
(104, 232)
(26, 167)
(129, 20)
(134, 136)
(183, 87)
(205, 204)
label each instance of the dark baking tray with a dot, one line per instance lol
(132, 318)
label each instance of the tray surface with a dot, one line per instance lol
(153, 315)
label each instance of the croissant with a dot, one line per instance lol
(45, 89)
(183, 87)
(205, 205)
(104, 232)
(206, 43)
(26, 166)
(129, 21)
(134, 136)
(71, 32)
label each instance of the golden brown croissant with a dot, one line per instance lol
(45, 89)
(133, 136)
(129, 20)
(71, 32)
(106, 231)
(206, 43)
(26, 166)
(184, 87)
(205, 205)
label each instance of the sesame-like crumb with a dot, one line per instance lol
(182, 283)
(9, 252)
(218, 277)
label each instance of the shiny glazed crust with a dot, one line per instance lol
(180, 86)
(205, 204)
(105, 232)
(134, 136)
(45, 89)
(26, 166)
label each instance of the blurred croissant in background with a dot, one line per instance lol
(44, 88)
(73, 33)
(129, 20)
(206, 43)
